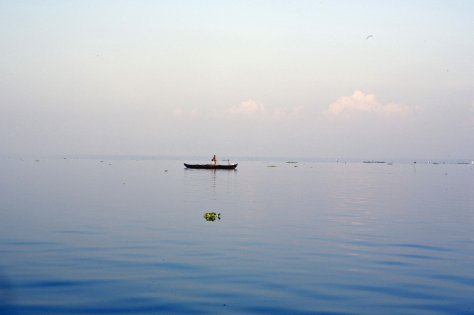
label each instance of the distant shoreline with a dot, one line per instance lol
(125, 157)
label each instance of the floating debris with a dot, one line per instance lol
(272, 166)
(212, 216)
(291, 162)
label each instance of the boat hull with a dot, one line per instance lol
(211, 166)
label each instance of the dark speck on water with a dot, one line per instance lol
(330, 238)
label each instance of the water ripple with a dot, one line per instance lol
(112, 308)
(399, 292)
(420, 246)
(465, 280)
(60, 283)
(286, 310)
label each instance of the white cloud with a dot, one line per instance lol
(248, 107)
(359, 102)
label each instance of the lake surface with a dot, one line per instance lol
(86, 236)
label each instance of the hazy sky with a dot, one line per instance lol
(238, 78)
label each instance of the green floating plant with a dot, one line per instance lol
(212, 216)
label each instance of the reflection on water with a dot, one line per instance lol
(80, 236)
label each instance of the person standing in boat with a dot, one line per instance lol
(214, 160)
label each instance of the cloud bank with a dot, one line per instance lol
(248, 109)
(359, 102)
(255, 109)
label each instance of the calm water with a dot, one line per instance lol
(128, 236)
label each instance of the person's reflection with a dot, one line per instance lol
(213, 183)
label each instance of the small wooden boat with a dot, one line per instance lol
(212, 166)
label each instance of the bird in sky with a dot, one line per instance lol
(369, 36)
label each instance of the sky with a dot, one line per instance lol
(328, 79)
